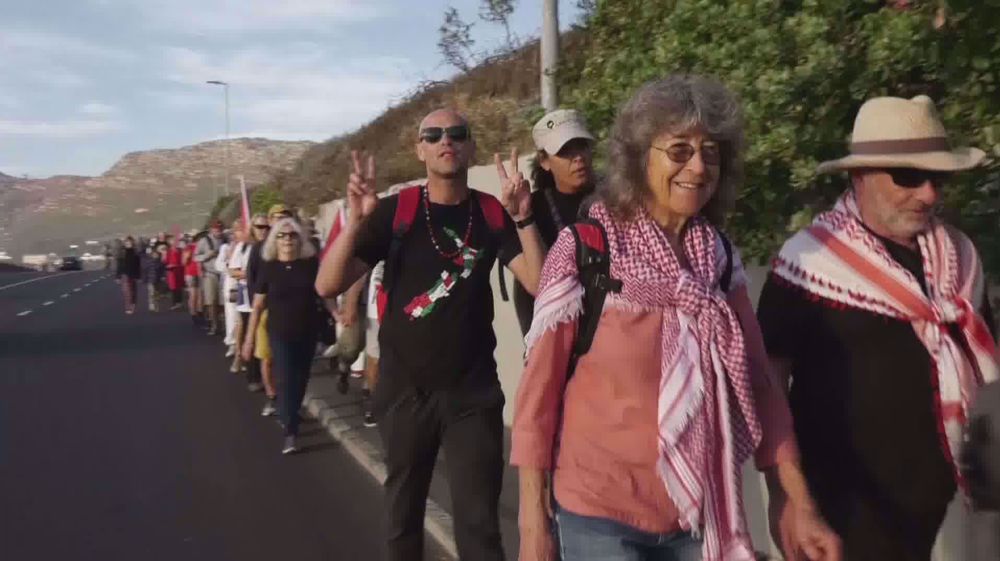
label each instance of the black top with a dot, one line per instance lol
(128, 263)
(437, 332)
(292, 302)
(862, 399)
(567, 208)
(253, 265)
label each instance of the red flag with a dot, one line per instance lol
(245, 203)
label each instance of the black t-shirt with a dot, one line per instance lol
(567, 209)
(253, 265)
(862, 399)
(437, 332)
(292, 302)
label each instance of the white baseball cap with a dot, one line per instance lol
(558, 127)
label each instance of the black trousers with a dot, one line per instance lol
(413, 428)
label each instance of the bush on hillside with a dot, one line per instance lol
(802, 69)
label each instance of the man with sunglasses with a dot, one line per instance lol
(877, 314)
(438, 384)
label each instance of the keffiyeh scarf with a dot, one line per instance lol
(707, 422)
(838, 260)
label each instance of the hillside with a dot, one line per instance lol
(142, 193)
(500, 97)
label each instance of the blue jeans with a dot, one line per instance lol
(292, 361)
(586, 538)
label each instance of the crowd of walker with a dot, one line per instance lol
(649, 378)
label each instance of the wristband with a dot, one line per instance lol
(524, 222)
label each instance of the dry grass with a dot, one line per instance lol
(500, 98)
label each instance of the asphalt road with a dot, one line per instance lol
(126, 438)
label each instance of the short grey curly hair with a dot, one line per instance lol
(270, 250)
(674, 104)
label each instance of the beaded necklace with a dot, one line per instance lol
(430, 228)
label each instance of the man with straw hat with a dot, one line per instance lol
(877, 315)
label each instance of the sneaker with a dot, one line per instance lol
(235, 367)
(268, 410)
(330, 351)
(370, 419)
(213, 331)
(290, 447)
(231, 351)
(357, 373)
(255, 387)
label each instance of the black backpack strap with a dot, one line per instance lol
(594, 268)
(727, 274)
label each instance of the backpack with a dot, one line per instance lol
(593, 264)
(406, 212)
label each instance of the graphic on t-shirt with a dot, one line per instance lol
(423, 304)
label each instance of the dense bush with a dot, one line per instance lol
(802, 69)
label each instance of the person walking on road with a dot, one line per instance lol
(563, 176)
(153, 271)
(258, 233)
(205, 254)
(229, 314)
(128, 270)
(174, 263)
(643, 431)
(285, 288)
(192, 280)
(236, 290)
(438, 386)
(878, 316)
(262, 347)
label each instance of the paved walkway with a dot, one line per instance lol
(341, 415)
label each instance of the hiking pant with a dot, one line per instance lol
(412, 428)
(292, 361)
(151, 295)
(128, 290)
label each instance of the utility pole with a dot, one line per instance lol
(550, 53)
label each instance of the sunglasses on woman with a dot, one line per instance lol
(433, 135)
(682, 153)
(909, 178)
(262, 226)
(288, 235)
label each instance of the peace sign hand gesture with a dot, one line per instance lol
(515, 192)
(361, 198)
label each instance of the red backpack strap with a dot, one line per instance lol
(406, 210)
(493, 211)
(494, 214)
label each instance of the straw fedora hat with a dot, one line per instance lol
(892, 132)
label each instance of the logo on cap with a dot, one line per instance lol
(550, 124)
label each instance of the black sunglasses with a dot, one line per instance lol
(262, 226)
(433, 135)
(682, 152)
(289, 235)
(910, 178)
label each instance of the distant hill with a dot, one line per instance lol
(144, 192)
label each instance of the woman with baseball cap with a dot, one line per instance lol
(563, 176)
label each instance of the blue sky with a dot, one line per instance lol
(82, 82)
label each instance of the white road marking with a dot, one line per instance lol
(49, 303)
(76, 290)
(24, 313)
(65, 296)
(38, 279)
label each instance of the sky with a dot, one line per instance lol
(82, 82)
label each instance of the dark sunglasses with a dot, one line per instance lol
(262, 226)
(289, 235)
(433, 135)
(909, 178)
(682, 153)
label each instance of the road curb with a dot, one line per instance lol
(437, 522)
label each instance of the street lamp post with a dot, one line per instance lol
(225, 87)
(549, 53)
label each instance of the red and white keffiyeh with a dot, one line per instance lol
(707, 421)
(837, 259)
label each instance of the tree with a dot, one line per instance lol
(802, 69)
(499, 12)
(455, 41)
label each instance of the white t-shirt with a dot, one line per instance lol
(238, 258)
(374, 281)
